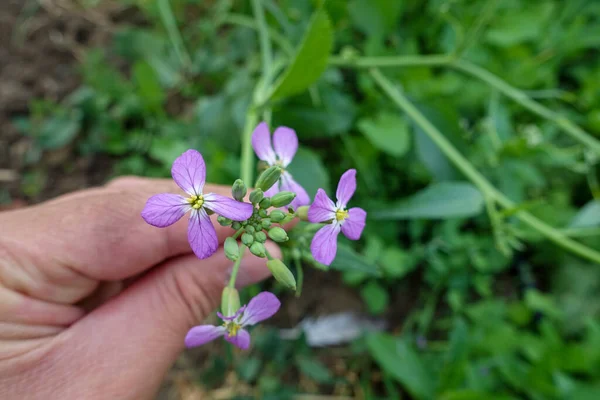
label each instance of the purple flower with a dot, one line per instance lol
(285, 144)
(161, 210)
(351, 222)
(262, 306)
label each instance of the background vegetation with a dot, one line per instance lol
(473, 127)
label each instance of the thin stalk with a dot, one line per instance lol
(473, 175)
(276, 37)
(234, 272)
(166, 14)
(263, 35)
(391, 61)
(247, 168)
(299, 276)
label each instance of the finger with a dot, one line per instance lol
(99, 232)
(147, 323)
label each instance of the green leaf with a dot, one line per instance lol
(375, 297)
(388, 132)
(589, 215)
(310, 60)
(400, 360)
(438, 201)
(396, 262)
(308, 170)
(59, 129)
(166, 150)
(314, 369)
(348, 260)
(148, 87)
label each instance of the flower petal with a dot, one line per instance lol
(285, 143)
(273, 190)
(261, 142)
(289, 184)
(262, 306)
(354, 224)
(322, 209)
(229, 208)
(324, 244)
(202, 235)
(189, 172)
(346, 188)
(234, 316)
(201, 334)
(164, 209)
(241, 340)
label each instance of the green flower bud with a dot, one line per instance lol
(232, 250)
(223, 221)
(258, 249)
(265, 203)
(278, 234)
(236, 225)
(287, 219)
(239, 190)
(277, 215)
(247, 239)
(260, 236)
(230, 301)
(256, 196)
(268, 178)
(281, 273)
(282, 199)
(262, 213)
(250, 229)
(302, 213)
(266, 223)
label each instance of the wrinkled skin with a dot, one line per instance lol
(95, 303)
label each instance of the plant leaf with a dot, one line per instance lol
(349, 260)
(388, 132)
(589, 215)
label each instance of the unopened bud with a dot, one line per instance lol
(258, 249)
(278, 234)
(282, 273)
(282, 199)
(265, 203)
(250, 229)
(232, 250)
(277, 215)
(239, 190)
(230, 301)
(236, 225)
(223, 221)
(302, 213)
(262, 213)
(247, 239)
(256, 196)
(260, 237)
(266, 223)
(268, 178)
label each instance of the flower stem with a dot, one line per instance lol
(299, 276)
(234, 271)
(168, 20)
(247, 168)
(475, 176)
(263, 33)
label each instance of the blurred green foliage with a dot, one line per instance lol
(500, 312)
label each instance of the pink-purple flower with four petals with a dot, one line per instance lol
(262, 306)
(351, 222)
(281, 152)
(162, 210)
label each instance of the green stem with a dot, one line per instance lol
(475, 176)
(299, 276)
(391, 61)
(247, 168)
(263, 35)
(276, 37)
(234, 272)
(170, 23)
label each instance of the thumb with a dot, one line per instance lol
(125, 347)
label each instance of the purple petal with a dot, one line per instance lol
(289, 184)
(164, 209)
(199, 335)
(322, 209)
(273, 190)
(261, 141)
(241, 340)
(354, 224)
(262, 306)
(201, 234)
(324, 244)
(189, 172)
(285, 143)
(234, 316)
(346, 188)
(229, 208)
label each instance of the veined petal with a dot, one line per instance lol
(261, 142)
(165, 209)
(262, 306)
(201, 334)
(241, 340)
(202, 235)
(229, 208)
(289, 184)
(346, 188)
(285, 143)
(322, 209)
(189, 172)
(354, 224)
(324, 244)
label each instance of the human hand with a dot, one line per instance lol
(95, 303)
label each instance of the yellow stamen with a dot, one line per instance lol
(341, 215)
(196, 201)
